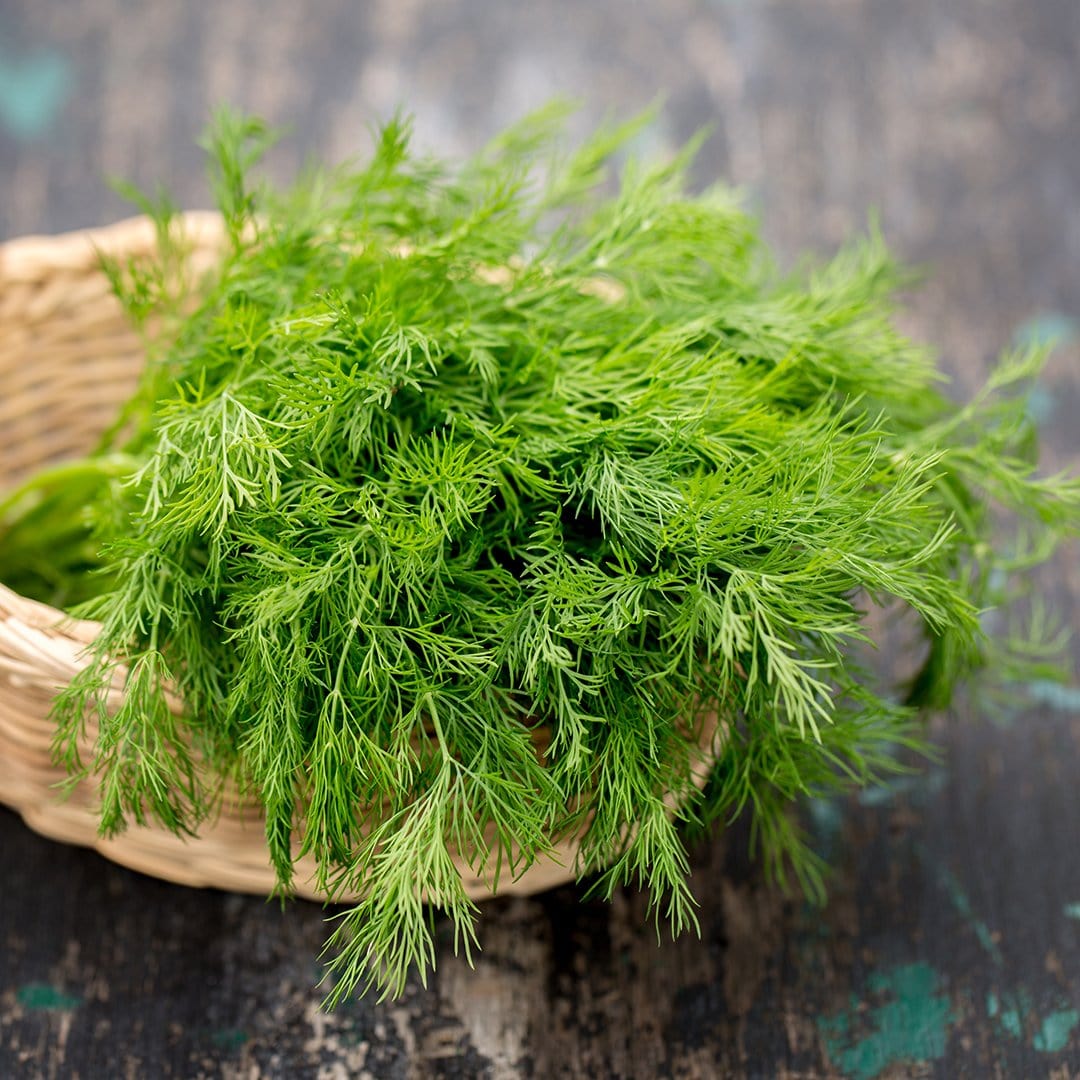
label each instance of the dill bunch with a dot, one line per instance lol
(469, 493)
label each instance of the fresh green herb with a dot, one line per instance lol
(469, 493)
(47, 545)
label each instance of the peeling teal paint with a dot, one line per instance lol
(919, 785)
(1014, 1015)
(1012, 1012)
(1009, 1018)
(1048, 328)
(963, 906)
(1055, 1031)
(33, 88)
(1056, 695)
(912, 1026)
(1041, 402)
(229, 1038)
(827, 817)
(42, 996)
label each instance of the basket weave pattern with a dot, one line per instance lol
(68, 360)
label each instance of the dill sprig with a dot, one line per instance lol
(470, 492)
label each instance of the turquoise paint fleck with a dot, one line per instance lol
(962, 904)
(1012, 1023)
(1009, 1017)
(1072, 911)
(1040, 404)
(920, 785)
(229, 1038)
(1056, 695)
(43, 996)
(912, 1026)
(1013, 1014)
(828, 820)
(33, 88)
(1048, 328)
(1055, 1031)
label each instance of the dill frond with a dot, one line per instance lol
(465, 490)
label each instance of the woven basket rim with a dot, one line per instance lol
(31, 257)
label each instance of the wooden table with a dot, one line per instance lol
(951, 942)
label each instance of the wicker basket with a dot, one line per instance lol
(68, 359)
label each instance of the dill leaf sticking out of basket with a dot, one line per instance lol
(469, 491)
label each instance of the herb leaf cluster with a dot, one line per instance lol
(470, 496)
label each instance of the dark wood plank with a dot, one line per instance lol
(951, 942)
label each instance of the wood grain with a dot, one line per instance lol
(950, 945)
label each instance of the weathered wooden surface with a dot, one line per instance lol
(951, 943)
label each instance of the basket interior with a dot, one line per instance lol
(69, 355)
(68, 360)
